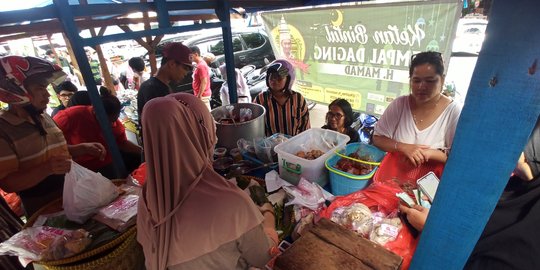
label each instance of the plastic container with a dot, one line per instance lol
(220, 152)
(343, 183)
(222, 165)
(292, 167)
(236, 154)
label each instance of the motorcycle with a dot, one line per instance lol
(365, 125)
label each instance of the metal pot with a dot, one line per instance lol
(229, 133)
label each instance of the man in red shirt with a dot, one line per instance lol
(201, 77)
(79, 124)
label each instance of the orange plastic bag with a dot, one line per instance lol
(14, 202)
(380, 197)
(395, 169)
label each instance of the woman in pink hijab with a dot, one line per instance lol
(189, 216)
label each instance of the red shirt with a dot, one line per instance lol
(79, 125)
(202, 71)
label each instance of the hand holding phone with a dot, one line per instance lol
(405, 199)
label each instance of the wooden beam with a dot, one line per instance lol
(54, 26)
(153, 32)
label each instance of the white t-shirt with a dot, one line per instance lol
(439, 135)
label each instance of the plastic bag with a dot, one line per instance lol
(395, 169)
(85, 192)
(264, 147)
(380, 198)
(245, 114)
(14, 202)
(307, 194)
(123, 208)
(138, 176)
(45, 243)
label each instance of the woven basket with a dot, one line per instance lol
(126, 256)
(122, 251)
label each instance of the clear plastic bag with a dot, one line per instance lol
(245, 114)
(264, 147)
(45, 243)
(123, 208)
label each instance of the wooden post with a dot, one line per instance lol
(152, 49)
(51, 45)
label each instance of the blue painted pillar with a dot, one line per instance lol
(162, 14)
(224, 16)
(501, 108)
(68, 22)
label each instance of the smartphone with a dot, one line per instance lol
(428, 184)
(405, 199)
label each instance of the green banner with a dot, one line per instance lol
(360, 53)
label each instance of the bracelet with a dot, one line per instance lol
(395, 146)
(269, 211)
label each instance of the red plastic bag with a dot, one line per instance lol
(14, 202)
(395, 169)
(139, 174)
(380, 197)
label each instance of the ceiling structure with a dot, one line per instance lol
(44, 18)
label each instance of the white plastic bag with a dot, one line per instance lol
(85, 192)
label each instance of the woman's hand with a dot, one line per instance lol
(416, 215)
(415, 153)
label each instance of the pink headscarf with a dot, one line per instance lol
(187, 210)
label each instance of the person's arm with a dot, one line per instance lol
(202, 87)
(24, 179)
(92, 149)
(129, 147)
(256, 245)
(416, 215)
(416, 154)
(523, 170)
(435, 154)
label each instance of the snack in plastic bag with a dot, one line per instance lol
(356, 217)
(85, 192)
(385, 231)
(123, 208)
(45, 243)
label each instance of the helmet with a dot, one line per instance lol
(14, 70)
(283, 67)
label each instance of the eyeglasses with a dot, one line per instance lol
(66, 95)
(331, 115)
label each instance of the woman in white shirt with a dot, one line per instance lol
(417, 130)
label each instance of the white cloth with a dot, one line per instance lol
(397, 123)
(242, 90)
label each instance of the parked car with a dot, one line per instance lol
(470, 35)
(250, 46)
